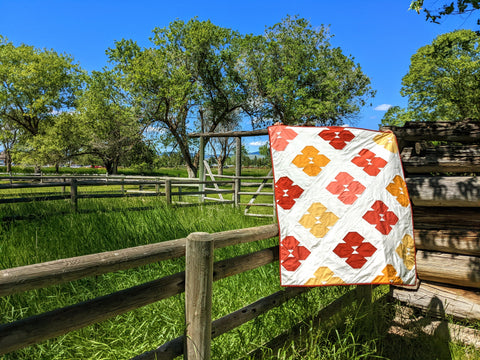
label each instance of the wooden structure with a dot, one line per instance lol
(442, 164)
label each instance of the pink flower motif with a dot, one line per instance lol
(291, 253)
(381, 217)
(355, 250)
(286, 193)
(337, 136)
(346, 188)
(280, 137)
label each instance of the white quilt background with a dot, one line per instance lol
(335, 216)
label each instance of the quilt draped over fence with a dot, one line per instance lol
(343, 209)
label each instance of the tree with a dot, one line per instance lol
(9, 136)
(297, 77)
(443, 81)
(436, 11)
(396, 116)
(58, 143)
(190, 68)
(108, 121)
(34, 85)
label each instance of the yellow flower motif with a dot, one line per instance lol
(406, 250)
(389, 276)
(388, 141)
(398, 188)
(324, 276)
(311, 161)
(318, 220)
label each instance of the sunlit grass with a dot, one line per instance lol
(42, 231)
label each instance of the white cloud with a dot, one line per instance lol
(258, 143)
(383, 107)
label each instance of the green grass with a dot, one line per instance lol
(44, 231)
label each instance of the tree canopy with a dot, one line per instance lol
(443, 81)
(436, 10)
(189, 68)
(35, 84)
(297, 77)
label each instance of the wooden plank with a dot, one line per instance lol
(25, 332)
(231, 133)
(453, 269)
(198, 295)
(444, 191)
(34, 198)
(441, 300)
(445, 217)
(455, 241)
(467, 132)
(49, 273)
(443, 159)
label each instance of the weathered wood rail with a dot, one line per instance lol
(444, 188)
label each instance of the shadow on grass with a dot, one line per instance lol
(378, 330)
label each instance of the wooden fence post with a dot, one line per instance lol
(73, 193)
(168, 191)
(198, 295)
(236, 192)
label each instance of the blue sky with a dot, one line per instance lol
(381, 35)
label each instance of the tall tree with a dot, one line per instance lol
(35, 85)
(443, 81)
(107, 119)
(298, 77)
(189, 68)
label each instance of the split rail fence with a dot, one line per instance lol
(445, 192)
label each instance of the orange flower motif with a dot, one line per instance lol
(318, 220)
(324, 276)
(390, 276)
(398, 188)
(406, 250)
(388, 141)
(311, 161)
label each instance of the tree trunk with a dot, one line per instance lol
(38, 169)
(220, 166)
(57, 167)
(8, 160)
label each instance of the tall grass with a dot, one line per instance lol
(49, 230)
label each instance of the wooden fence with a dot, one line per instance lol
(73, 183)
(196, 281)
(447, 234)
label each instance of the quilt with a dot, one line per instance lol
(343, 209)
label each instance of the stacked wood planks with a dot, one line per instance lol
(442, 163)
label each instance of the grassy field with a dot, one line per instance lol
(43, 231)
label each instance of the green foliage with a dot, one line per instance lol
(107, 122)
(435, 11)
(396, 116)
(35, 84)
(297, 77)
(190, 67)
(442, 82)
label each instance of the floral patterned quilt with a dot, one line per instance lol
(343, 209)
